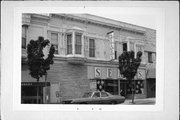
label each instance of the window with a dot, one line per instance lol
(115, 50)
(24, 34)
(96, 94)
(54, 41)
(69, 43)
(150, 60)
(91, 48)
(103, 94)
(78, 43)
(124, 47)
(87, 95)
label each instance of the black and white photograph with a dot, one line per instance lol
(86, 59)
(89, 60)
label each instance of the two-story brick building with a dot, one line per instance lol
(86, 56)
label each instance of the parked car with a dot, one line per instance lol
(96, 97)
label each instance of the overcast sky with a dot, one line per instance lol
(140, 20)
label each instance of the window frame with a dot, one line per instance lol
(70, 44)
(79, 45)
(53, 32)
(150, 55)
(24, 36)
(92, 48)
(123, 46)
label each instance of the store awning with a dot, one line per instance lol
(151, 73)
(35, 84)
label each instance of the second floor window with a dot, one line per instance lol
(69, 43)
(54, 41)
(78, 43)
(150, 59)
(124, 47)
(91, 48)
(24, 34)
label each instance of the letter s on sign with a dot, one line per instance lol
(97, 72)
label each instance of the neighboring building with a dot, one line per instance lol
(86, 56)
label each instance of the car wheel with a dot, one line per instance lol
(113, 102)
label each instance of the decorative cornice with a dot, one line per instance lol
(85, 61)
(41, 16)
(123, 26)
(97, 62)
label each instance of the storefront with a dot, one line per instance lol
(110, 80)
(43, 91)
(33, 91)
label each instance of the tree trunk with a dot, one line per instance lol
(37, 91)
(46, 88)
(133, 92)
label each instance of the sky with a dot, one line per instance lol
(148, 21)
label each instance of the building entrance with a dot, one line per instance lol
(32, 92)
(151, 88)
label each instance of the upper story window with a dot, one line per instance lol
(124, 47)
(69, 43)
(115, 50)
(24, 35)
(91, 48)
(54, 41)
(78, 43)
(150, 57)
(74, 43)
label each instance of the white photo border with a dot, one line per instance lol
(160, 33)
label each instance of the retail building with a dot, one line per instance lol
(86, 56)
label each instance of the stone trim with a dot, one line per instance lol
(124, 27)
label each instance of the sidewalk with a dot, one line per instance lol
(148, 101)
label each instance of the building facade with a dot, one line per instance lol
(86, 56)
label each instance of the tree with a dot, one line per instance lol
(128, 66)
(37, 61)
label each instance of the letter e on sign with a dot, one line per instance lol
(109, 73)
(97, 72)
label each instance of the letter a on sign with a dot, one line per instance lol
(97, 72)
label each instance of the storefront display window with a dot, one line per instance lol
(110, 86)
(139, 87)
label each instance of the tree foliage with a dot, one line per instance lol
(128, 65)
(38, 66)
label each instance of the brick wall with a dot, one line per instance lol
(73, 78)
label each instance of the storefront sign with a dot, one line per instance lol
(112, 45)
(120, 75)
(26, 19)
(109, 73)
(97, 72)
(141, 74)
(114, 73)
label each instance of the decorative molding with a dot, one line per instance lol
(106, 23)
